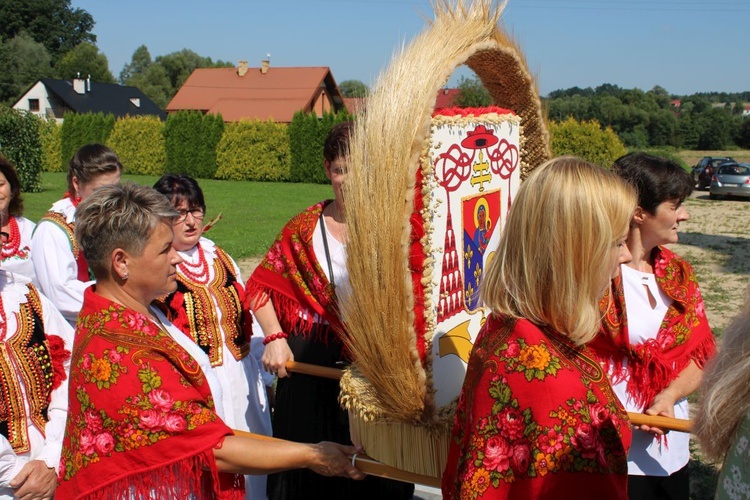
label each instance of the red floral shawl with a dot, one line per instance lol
(141, 419)
(684, 334)
(537, 418)
(292, 277)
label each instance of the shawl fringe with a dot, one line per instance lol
(293, 318)
(656, 372)
(196, 475)
(654, 364)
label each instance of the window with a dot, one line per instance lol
(33, 104)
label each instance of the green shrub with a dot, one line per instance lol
(190, 140)
(253, 151)
(20, 143)
(587, 140)
(49, 134)
(139, 142)
(307, 133)
(81, 129)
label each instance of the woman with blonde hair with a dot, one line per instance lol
(536, 415)
(722, 424)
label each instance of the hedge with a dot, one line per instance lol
(307, 133)
(81, 129)
(587, 140)
(49, 134)
(254, 151)
(20, 143)
(139, 142)
(190, 140)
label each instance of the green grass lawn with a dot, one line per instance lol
(253, 212)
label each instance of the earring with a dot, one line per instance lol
(126, 275)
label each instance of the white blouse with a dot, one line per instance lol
(647, 456)
(56, 268)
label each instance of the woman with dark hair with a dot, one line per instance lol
(145, 417)
(207, 307)
(16, 249)
(655, 336)
(294, 294)
(61, 269)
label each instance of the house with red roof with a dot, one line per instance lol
(446, 98)
(263, 93)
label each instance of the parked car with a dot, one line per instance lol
(705, 169)
(731, 179)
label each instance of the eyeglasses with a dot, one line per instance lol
(196, 212)
(4, 237)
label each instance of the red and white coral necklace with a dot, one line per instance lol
(11, 247)
(197, 273)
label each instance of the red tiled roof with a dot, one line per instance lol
(355, 104)
(277, 94)
(446, 98)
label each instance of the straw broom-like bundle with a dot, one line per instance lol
(388, 389)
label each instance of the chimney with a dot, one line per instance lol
(241, 68)
(265, 64)
(79, 84)
(88, 83)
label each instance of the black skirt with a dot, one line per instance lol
(307, 411)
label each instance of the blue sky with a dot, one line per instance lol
(686, 46)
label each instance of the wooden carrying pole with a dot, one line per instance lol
(366, 464)
(666, 423)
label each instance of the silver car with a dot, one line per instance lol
(731, 179)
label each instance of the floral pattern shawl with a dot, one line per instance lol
(292, 277)
(684, 334)
(536, 418)
(141, 419)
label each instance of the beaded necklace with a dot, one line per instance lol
(12, 246)
(196, 272)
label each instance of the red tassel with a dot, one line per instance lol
(179, 315)
(58, 355)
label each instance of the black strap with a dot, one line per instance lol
(325, 246)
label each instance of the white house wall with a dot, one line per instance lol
(47, 108)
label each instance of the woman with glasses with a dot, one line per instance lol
(16, 246)
(61, 269)
(207, 307)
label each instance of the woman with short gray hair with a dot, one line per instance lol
(143, 422)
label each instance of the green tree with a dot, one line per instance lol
(138, 64)
(84, 60)
(179, 65)
(743, 134)
(353, 88)
(23, 61)
(151, 78)
(473, 94)
(20, 143)
(53, 23)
